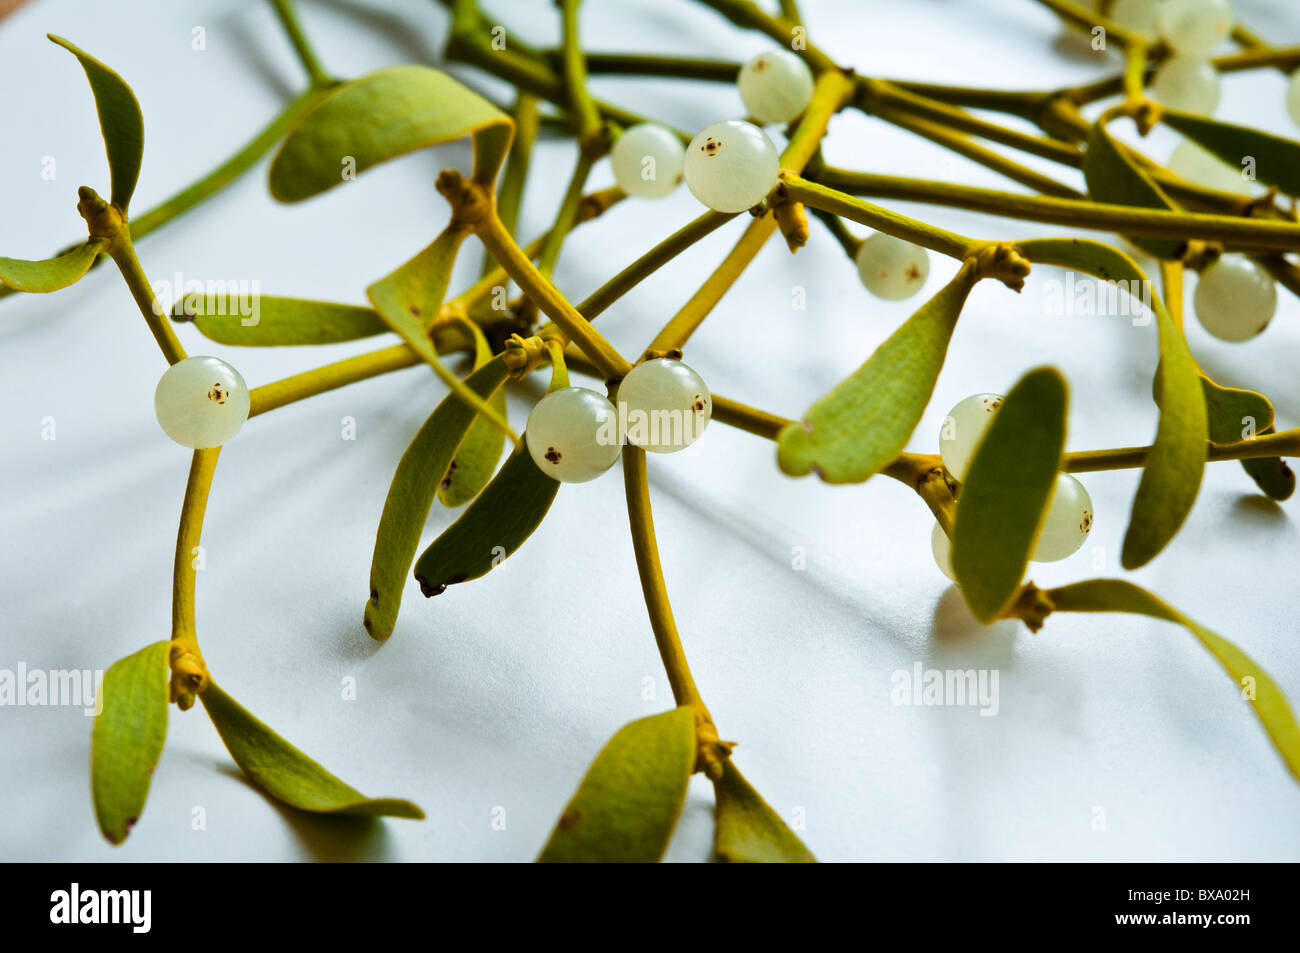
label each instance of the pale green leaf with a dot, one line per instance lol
(748, 831)
(127, 737)
(267, 321)
(1007, 489)
(381, 116)
(1269, 703)
(120, 121)
(51, 274)
(284, 772)
(628, 804)
(864, 423)
(480, 451)
(1113, 177)
(1172, 475)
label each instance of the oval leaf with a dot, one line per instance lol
(128, 736)
(1231, 410)
(410, 496)
(120, 122)
(284, 772)
(748, 830)
(495, 525)
(1114, 178)
(258, 320)
(1277, 160)
(628, 804)
(1004, 500)
(381, 116)
(1172, 475)
(51, 274)
(864, 423)
(480, 451)
(1269, 703)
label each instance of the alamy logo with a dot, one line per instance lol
(131, 907)
(946, 687)
(56, 688)
(1087, 297)
(192, 297)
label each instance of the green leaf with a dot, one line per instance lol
(1229, 408)
(381, 116)
(276, 321)
(1006, 493)
(127, 738)
(1277, 160)
(1113, 177)
(628, 804)
(1172, 475)
(480, 451)
(1269, 703)
(120, 121)
(864, 423)
(492, 528)
(748, 831)
(284, 772)
(410, 496)
(51, 274)
(408, 301)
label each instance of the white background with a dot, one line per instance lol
(499, 693)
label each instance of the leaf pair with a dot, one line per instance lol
(122, 126)
(130, 730)
(628, 804)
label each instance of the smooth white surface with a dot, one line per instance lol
(498, 694)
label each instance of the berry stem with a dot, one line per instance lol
(1086, 19)
(510, 190)
(284, 9)
(567, 214)
(123, 255)
(1284, 444)
(586, 117)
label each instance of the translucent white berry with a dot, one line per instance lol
(1293, 97)
(573, 435)
(1235, 298)
(892, 268)
(663, 405)
(1139, 16)
(1187, 84)
(1196, 26)
(648, 161)
(963, 429)
(201, 402)
(1068, 521)
(731, 165)
(775, 86)
(941, 546)
(1198, 165)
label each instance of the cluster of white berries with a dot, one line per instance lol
(1069, 514)
(575, 434)
(1187, 81)
(731, 165)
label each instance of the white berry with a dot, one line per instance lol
(892, 268)
(775, 86)
(1195, 26)
(963, 429)
(648, 161)
(1068, 521)
(941, 546)
(1187, 84)
(1202, 167)
(1293, 97)
(573, 435)
(1235, 298)
(731, 166)
(201, 402)
(663, 405)
(1139, 16)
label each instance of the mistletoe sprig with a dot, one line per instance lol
(1001, 490)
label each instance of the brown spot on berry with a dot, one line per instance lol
(552, 455)
(1087, 521)
(699, 404)
(711, 146)
(218, 394)
(760, 64)
(913, 273)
